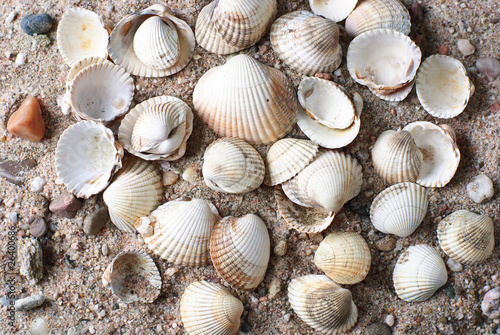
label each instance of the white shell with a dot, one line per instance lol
(335, 10)
(80, 66)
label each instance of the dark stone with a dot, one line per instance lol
(378, 328)
(12, 170)
(94, 222)
(65, 205)
(36, 24)
(449, 290)
(245, 327)
(38, 226)
(416, 12)
(68, 262)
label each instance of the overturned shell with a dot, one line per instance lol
(399, 209)
(322, 304)
(209, 308)
(133, 276)
(335, 10)
(466, 237)
(418, 273)
(344, 257)
(240, 250)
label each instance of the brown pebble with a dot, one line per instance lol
(38, 226)
(263, 48)
(65, 205)
(494, 20)
(27, 121)
(280, 248)
(443, 50)
(326, 76)
(426, 310)
(94, 222)
(459, 303)
(386, 244)
(442, 319)
(416, 12)
(378, 328)
(390, 310)
(169, 178)
(419, 319)
(495, 108)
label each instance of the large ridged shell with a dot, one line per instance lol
(322, 304)
(306, 42)
(344, 257)
(76, 68)
(135, 191)
(467, 237)
(240, 250)
(209, 308)
(246, 99)
(335, 10)
(418, 273)
(399, 209)
(232, 165)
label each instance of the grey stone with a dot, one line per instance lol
(30, 256)
(378, 328)
(36, 24)
(94, 222)
(38, 226)
(491, 303)
(28, 303)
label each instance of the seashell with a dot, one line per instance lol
(80, 66)
(225, 99)
(134, 192)
(179, 231)
(378, 14)
(344, 257)
(322, 304)
(466, 237)
(398, 94)
(152, 43)
(418, 273)
(443, 87)
(240, 250)
(306, 42)
(335, 10)
(81, 34)
(86, 158)
(232, 165)
(133, 276)
(209, 308)
(286, 158)
(399, 209)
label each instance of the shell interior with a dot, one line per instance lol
(335, 10)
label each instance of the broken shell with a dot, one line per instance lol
(335, 10)
(322, 304)
(240, 250)
(209, 308)
(418, 273)
(467, 237)
(133, 276)
(86, 158)
(232, 165)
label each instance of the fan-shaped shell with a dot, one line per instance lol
(322, 304)
(209, 308)
(240, 250)
(335, 10)
(418, 273)
(80, 66)
(399, 209)
(246, 99)
(467, 237)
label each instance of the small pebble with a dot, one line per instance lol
(12, 171)
(274, 288)
(416, 12)
(38, 226)
(40, 327)
(20, 59)
(105, 249)
(465, 47)
(169, 178)
(12, 217)
(36, 24)
(489, 67)
(171, 271)
(65, 205)
(480, 189)
(37, 184)
(287, 317)
(322, 75)
(389, 320)
(189, 175)
(30, 256)
(495, 107)
(10, 17)
(442, 319)
(378, 328)
(426, 310)
(27, 121)
(491, 303)
(386, 244)
(94, 222)
(245, 327)
(28, 303)
(280, 248)
(453, 265)
(443, 50)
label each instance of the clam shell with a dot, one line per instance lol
(398, 94)
(80, 66)
(306, 42)
(344, 257)
(232, 165)
(467, 237)
(86, 158)
(134, 192)
(133, 276)
(399, 209)
(246, 99)
(240, 250)
(335, 10)
(322, 304)
(418, 273)
(209, 308)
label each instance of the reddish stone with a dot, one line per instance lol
(65, 205)
(443, 50)
(27, 121)
(416, 12)
(323, 75)
(495, 108)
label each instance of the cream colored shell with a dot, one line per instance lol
(76, 68)
(335, 10)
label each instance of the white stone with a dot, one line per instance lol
(453, 265)
(491, 303)
(480, 189)
(389, 320)
(12, 216)
(20, 59)
(465, 47)
(37, 184)
(287, 317)
(10, 17)
(189, 175)
(40, 327)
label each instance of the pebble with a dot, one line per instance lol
(10, 17)
(378, 328)
(169, 178)
(443, 50)
(20, 59)
(453, 265)
(426, 310)
(442, 319)
(480, 189)
(280, 248)
(105, 249)
(416, 12)
(189, 175)
(386, 244)
(40, 327)
(491, 303)
(94, 222)
(489, 67)
(65, 205)
(495, 107)
(287, 317)
(245, 327)
(25, 304)
(12, 217)
(27, 121)
(274, 288)
(389, 320)
(37, 184)
(29, 253)
(36, 24)
(465, 47)
(38, 226)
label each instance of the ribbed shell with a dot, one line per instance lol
(344, 257)
(134, 192)
(418, 273)
(209, 308)
(246, 99)
(399, 209)
(335, 10)
(322, 304)
(306, 42)
(467, 237)
(80, 66)
(240, 250)
(232, 165)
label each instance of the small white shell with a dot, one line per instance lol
(335, 10)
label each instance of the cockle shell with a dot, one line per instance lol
(467, 237)
(335, 10)
(322, 304)
(209, 308)
(76, 68)
(418, 273)
(225, 99)
(240, 250)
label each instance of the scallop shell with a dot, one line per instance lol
(322, 304)
(240, 250)
(344, 257)
(306, 42)
(399, 209)
(133, 276)
(81, 34)
(209, 308)
(134, 192)
(232, 165)
(467, 237)
(246, 99)
(418, 273)
(443, 87)
(335, 10)
(86, 158)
